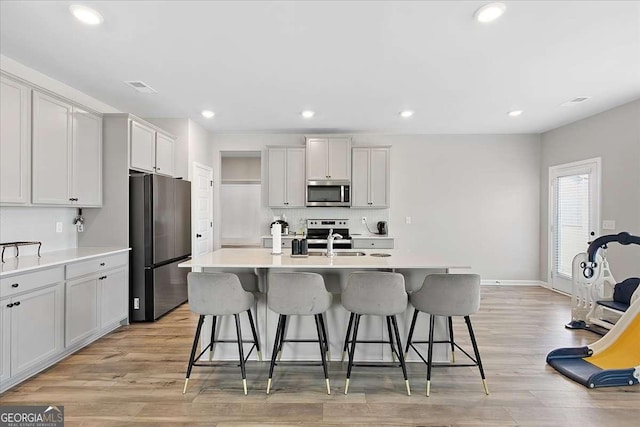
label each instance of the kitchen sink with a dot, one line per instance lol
(338, 254)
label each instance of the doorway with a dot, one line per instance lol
(202, 209)
(574, 216)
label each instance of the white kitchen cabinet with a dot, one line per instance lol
(286, 177)
(150, 151)
(328, 159)
(373, 243)
(114, 296)
(5, 339)
(82, 309)
(164, 154)
(267, 242)
(15, 142)
(87, 158)
(370, 181)
(67, 153)
(36, 320)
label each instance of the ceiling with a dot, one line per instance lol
(356, 63)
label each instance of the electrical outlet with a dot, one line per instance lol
(58, 227)
(136, 303)
(608, 224)
(80, 227)
(407, 220)
(363, 220)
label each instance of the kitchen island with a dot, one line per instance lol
(252, 265)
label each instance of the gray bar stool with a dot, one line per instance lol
(379, 294)
(219, 294)
(298, 294)
(447, 295)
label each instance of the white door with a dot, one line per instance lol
(202, 209)
(574, 206)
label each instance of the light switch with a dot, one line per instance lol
(608, 224)
(58, 227)
(407, 220)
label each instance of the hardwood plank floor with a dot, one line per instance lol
(136, 374)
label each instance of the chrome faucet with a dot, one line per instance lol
(330, 240)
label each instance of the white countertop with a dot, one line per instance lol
(50, 259)
(262, 258)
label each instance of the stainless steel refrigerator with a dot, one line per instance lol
(160, 239)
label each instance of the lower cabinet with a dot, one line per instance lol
(373, 243)
(46, 315)
(32, 329)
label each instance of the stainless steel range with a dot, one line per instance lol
(318, 231)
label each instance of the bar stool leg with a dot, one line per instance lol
(324, 337)
(193, 352)
(322, 352)
(453, 347)
(477, 352)
(213, 336)
(346, 338)
(390, 333)
(352, 351)
(255, 335)
(400, 355)
(276, 344)
(432, 322)
(410, 336)
(282, 334)
(241, 353)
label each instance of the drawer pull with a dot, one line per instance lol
(102, 277)
(15, 285)
(102, 264)
(17, 303)
(9, 305)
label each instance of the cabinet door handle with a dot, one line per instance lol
(102, 264)
(15, 285)
(157, 169)
(9, 305)
(17, 303)
(198, 235)
(73, 199)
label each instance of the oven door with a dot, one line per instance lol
(327, 193)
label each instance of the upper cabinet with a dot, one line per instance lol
(150, 151)
(15, 142)
(370, 182)
(328, 159)
(286, 177)
(67, 153)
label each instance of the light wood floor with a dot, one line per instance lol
(136, 374)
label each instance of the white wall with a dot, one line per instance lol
(471, 197)
(200, 148)
(35, 222)
(615, 137)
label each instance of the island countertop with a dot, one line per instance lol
(262, 258)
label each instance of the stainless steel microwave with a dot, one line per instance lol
(328, 193)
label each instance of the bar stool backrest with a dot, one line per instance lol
(217, 294)
(297, 293)
(376, 293)
(448, 295)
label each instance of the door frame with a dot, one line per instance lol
(555, 171)
(193, 206)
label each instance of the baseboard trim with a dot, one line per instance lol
(513, 283)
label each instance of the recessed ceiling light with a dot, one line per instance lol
(490, 12)
(515, 113)
(207, 114)
(406, 113)
(307, 114)
(86, 15)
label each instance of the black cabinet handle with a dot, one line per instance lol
(9, 305)
(198, 235)
(16, 303)
(15, 285)
(102, 277)
(102, 264)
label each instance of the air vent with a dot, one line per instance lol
(141, 87)
(576, 101)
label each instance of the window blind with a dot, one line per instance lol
(571, 221)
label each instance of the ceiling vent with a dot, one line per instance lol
(141, 87)
(576, 101)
